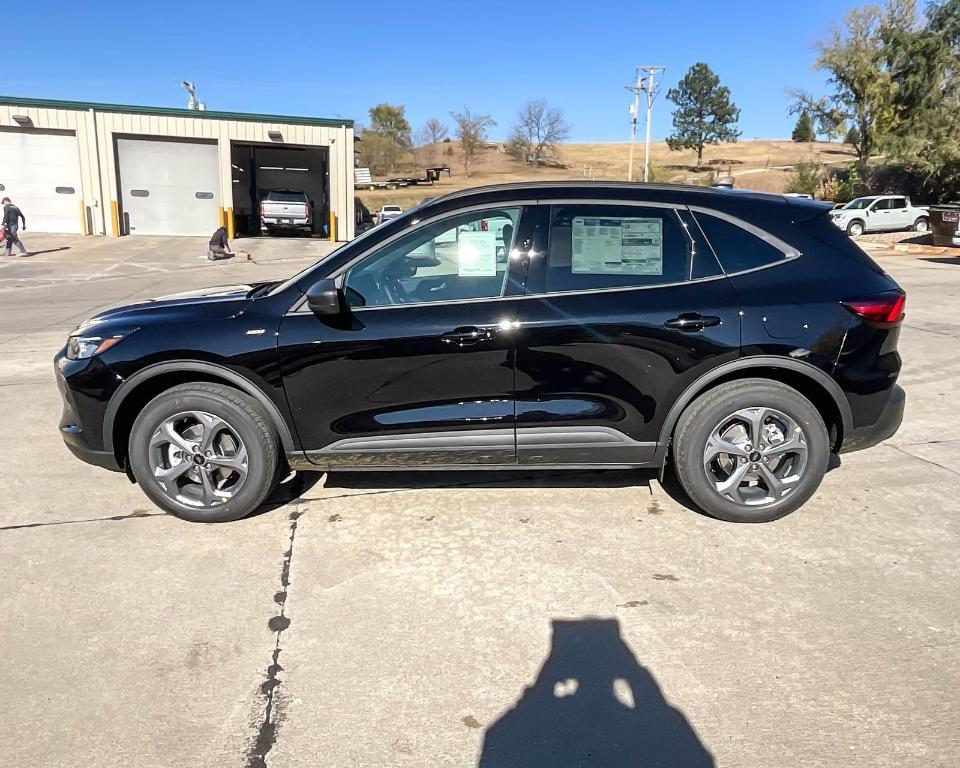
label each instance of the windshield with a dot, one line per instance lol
(401, 221)
(859, 204)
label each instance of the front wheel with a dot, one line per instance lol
(855, 228)
(921, 225)
(751, 451)
(204, 452)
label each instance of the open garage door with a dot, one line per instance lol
(259, 170)
(168, 187)
(40, 172)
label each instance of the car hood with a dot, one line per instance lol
(218, 294)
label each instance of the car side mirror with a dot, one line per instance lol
(323, 298)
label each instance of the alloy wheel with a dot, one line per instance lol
(755, 456)
(198, 459)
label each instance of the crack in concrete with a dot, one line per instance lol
(137, 513)
(269, 689)
(921, 458)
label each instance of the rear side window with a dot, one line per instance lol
(605, 246)
(737, 249)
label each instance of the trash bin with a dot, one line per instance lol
(945, 223)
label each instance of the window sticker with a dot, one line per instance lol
(617, 246)
(477, 254)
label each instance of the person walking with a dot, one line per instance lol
(219, 247)
(11, 216)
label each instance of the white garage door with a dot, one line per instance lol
(169, 187)
(40, 172)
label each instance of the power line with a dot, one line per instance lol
(646, 84)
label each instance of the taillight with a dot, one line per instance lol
(261, 208)
(883, 309)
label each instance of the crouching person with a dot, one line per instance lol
(219, 247)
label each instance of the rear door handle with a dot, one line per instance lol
(466, 336)
(693, 321)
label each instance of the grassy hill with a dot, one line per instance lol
(758, 164)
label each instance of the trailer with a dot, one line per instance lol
(364, 180)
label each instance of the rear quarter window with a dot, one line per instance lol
(737, 249)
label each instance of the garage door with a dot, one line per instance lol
(168, 187)
(40, 172)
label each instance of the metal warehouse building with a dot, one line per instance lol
(108, 169)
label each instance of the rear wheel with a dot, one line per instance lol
(204, 452)
(855, 228)
(921, 225)
(751, 451)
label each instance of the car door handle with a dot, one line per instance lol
(693, 321)
(466, 336)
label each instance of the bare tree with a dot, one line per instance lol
(538, 130)
(471, 132)
(433, 132)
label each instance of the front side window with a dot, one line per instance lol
(455, 259)
(610, 246)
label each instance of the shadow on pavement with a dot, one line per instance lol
(506, 478)
(953, 261)
(592, 703)
(49, 250)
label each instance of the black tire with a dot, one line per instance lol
(922, 224)
(852, 227)
(706, 412)
(242, 415)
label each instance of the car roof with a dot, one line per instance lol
(733, 201)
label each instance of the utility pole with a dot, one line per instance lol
(647, 85)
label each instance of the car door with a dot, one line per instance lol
(880, 216)
(625, 307)
(899, 213)
(419, 369)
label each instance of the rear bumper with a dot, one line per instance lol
(884, 428)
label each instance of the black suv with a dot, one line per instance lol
(739, 337)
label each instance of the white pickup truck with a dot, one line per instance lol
(881, 213)
(285, 209)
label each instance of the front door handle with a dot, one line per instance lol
(466, 336)
(693, 321)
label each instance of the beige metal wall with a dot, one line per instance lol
(96, 132)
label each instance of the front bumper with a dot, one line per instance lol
(72, 429)
(884, 428)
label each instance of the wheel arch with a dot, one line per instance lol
(811, 382)
(143, 386)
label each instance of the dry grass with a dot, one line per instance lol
(610, 162)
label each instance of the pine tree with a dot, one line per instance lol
(704, 113)
(804, 128)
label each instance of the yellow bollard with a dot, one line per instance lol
(333, 227)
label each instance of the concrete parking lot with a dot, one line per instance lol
(456, 620)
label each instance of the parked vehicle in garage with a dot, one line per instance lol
(388, 212)
(881, 213)
(286, 209)
(735, 338)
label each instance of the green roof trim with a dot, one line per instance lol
(173, 111)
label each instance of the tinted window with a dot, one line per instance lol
(898, 203)
(603, 246)
(139, 193)
(458, 258)
(65, 190)
(736, 248)
(203, 195)
(287, 197)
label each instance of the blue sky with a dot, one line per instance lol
(338, 59)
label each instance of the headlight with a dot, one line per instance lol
(83, 346)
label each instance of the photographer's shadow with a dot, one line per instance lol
(592, 704)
